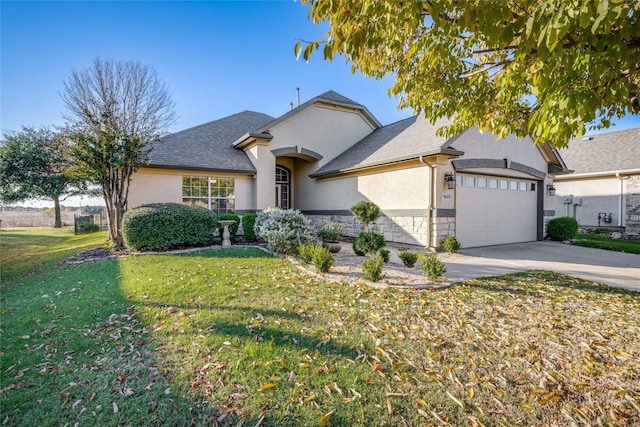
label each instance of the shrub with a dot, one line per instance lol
(385, 254)
(88, 227)
(248, 223)
(368, 242)
(372, 268)
(306, 251)
(322, 259)
(233, 228)
(451, 244)
(284, 229)
(330, 232)
(408, 258)
(563, 228)
(432, 267)
(365, 212)
(164, 226)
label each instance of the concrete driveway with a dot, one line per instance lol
(611, 268)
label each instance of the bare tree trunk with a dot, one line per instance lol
(58, 220)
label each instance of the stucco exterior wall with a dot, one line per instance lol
(402, 194)
(587, 196)
(151, 185)
(392, 190)
(478, 145)
(583, 199)
(326, 130)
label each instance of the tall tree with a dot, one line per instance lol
(115, 109)
(542, 68)
(34, 164)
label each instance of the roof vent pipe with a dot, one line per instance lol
(291, 106)
(298, 95)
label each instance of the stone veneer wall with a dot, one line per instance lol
(410, 230)
(443, 226)
(633, 204)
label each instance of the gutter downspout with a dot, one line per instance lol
(621, 197)
(432, 196)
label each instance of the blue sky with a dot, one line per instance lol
(218, 58)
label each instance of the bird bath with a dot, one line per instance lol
(226, 241)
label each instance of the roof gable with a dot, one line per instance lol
(209, 146)
(605, 152)
(329, 97)
(402, 140)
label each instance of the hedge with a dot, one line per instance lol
(165, 226)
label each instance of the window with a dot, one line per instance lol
(283, 186)
(513, 185)
(458, 180)
(213, 193)
(222, 195)
(469, 181)
(195, 190)
(504, 184)
(482, 182)
(523, 186)
(493, 183)
(532, 186)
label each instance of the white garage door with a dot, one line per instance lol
(495, 210)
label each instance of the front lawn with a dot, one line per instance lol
(239, 337)
(22, 250)
(605, 242)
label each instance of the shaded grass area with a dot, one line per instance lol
(604, 242)
(228, 337)
(23, 250)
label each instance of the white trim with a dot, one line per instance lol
(612, 173)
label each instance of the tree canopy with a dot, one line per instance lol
(34, 164)
(543, 68)
(115, 109)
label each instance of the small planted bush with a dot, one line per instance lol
(164, 226)
(432, 267)
(368, 242)
(233, 228)
(408, 258)
(385, 254)
(330, 232)
(306, 251)
(563, 228)
(248, 224)
(372, 268)
(322, 259)
(451, 244)
(284, 230)
(88, 227)
(365, 212)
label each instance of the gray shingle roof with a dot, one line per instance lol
(209, 146)
(408, 138)
(612, 151)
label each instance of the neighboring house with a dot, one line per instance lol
(330, 152)
(604, 188)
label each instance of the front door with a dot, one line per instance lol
(283, 187)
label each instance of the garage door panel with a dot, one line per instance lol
(490, 216)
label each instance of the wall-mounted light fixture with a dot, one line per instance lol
(450, 180)
(551, 189)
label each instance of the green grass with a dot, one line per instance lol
(24, 250)
(239, 337)
(602, 242)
